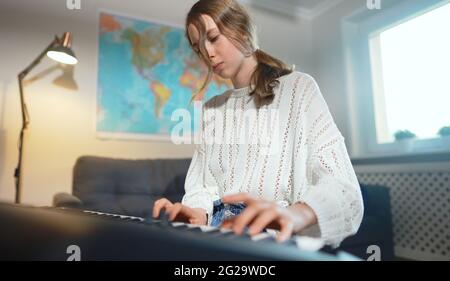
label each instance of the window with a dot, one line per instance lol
(398, 67)
(410, 66)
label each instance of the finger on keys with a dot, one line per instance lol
(262, 221)
(242, 220)
(174, 211)
(287, 227)
(159, 204)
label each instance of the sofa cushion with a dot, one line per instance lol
(128, 186)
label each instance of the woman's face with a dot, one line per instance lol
(224, 57)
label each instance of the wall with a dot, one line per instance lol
(329, 63)
(62, 120)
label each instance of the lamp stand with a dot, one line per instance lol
(25, 118)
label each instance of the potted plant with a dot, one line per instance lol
(404, 135)
(444, 131)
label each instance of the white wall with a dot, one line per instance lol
(62, 121)
(329, 62)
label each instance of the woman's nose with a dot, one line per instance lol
(209, 49)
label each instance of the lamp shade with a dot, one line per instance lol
(62, 54)
(61, 51)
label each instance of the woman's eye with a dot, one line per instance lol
(214, 39)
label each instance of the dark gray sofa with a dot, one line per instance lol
(124, 186)
(130, 187)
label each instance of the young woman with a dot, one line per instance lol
(298, 181)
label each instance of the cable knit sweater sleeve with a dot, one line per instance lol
(328, 184)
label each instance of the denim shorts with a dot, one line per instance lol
(222, 211)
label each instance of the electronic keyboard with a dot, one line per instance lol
(47, 233)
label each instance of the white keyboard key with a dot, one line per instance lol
(260, 236)
(272, 232)
(190, 225)
(208, 228)
(225, 230)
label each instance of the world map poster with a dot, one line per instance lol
(147, 71)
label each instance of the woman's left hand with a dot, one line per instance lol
(260, 214)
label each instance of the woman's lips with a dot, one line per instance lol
(217, 66)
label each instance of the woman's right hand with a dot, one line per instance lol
(179, 212)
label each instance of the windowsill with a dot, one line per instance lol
(406, 151)
(401, 159)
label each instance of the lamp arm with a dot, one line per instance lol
(22, 75)
(38, 59)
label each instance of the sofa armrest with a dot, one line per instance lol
(376, 226)
(64, 199)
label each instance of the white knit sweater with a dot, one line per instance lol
(288, 151)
